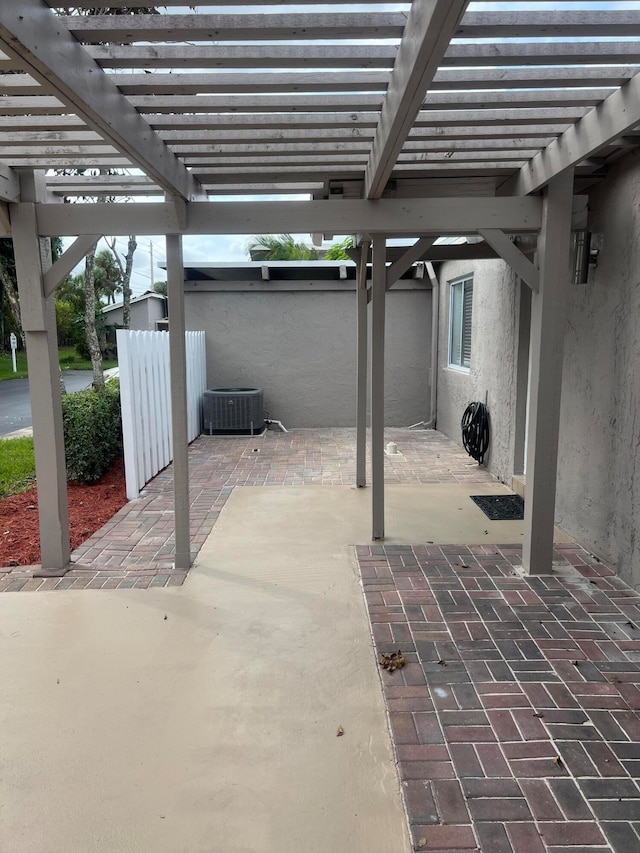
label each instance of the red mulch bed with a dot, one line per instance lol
(89, 508)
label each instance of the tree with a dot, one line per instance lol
(92, 268)
(10, 303)
(269, 247)
(90, 332)
(108, 276)
(160, 287)
(337, 251)
(125, 277)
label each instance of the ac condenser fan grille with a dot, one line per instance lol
(233, 411)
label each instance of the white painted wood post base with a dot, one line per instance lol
(548, 326)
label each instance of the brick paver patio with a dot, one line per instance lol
(135, 548)
(515, 721)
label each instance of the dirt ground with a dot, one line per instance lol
(89, 508)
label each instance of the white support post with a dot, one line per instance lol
(178, 361)
(548, 326)
(379, 288)
(33, 259)
(361, 370)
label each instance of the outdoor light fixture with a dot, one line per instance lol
(581, 256)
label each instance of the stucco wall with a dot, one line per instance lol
(598, 496)
(492, 375)
(300, 348)
(598, 490)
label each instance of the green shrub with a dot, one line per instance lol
(82, 350)
(92, 431)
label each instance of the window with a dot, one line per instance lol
(460, 323)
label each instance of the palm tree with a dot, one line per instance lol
(269, 247)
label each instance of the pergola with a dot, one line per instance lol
(436, 119)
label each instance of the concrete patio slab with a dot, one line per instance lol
(215, 728)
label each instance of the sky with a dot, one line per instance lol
(196, 249)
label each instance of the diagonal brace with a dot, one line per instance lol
(414, 253)
(67, 261)
(510, 253)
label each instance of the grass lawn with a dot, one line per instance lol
(69, 360)
(6, 366)
(17, 465)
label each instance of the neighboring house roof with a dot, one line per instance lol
(446, 249)
(281, 270)
(108, 308)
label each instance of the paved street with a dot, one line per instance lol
(15, 407)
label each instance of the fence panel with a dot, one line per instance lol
(145, 395)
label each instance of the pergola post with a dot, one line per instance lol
(361, 368)
(548, 325)
(33, 259)
(378, 289)
(178, 370)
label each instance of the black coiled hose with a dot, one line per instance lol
(475, 431)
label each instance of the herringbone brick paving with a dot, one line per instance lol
(515, 721)
(136, 548)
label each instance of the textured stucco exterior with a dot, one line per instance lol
(299, 346)
(598, 495)
(491, 377)
(598, 486)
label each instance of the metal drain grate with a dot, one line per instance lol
(500, 507)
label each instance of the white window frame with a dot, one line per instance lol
(457, 292)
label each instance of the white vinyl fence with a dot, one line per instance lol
(145, 400)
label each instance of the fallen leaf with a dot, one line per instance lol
(340, 731)
(393, 661)
(422, 843)
(557, 760)
(442, 663)
(538, 714)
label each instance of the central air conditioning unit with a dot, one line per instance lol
(233, 411)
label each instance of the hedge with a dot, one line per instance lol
(92, 431)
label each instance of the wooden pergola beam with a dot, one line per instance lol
(398, 217)
(428, 32)
(611, 118)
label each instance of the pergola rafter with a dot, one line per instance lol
(62, 65)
